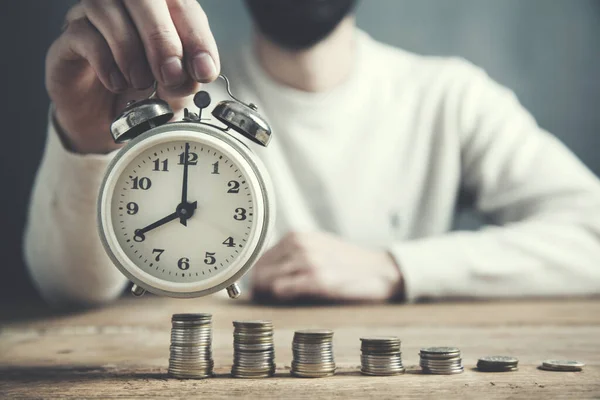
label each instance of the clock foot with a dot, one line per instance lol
(234, 291)
(137, 291)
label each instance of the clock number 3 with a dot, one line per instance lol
(240, 214)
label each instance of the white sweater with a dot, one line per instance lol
(380, 161)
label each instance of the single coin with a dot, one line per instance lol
(562, 365)
(443, 372)
(440, 350)
(314, 332)
(381, 339)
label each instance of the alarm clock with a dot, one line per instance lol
(186, 208)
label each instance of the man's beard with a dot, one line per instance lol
(298, 24)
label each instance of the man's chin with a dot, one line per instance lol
(298, 25)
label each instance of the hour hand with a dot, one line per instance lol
(140, 232)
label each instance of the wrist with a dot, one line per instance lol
(80, 144)
(396, 278)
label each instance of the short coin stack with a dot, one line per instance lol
(191, 338)
(441, 360)
(313, 353)
(381, 356)
(253, 351)
(562, 365)
(497, 364)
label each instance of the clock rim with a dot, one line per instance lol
(229, 145)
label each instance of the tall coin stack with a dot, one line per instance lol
(191, 338)
(253, 350)
(441, 360)
(313, 354)
(381, 356)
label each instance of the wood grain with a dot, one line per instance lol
(121, 351)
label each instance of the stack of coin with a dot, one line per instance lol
(497, 364)
(562, 365)
(253, 351)
(313, 354)
(191, 338)
(381, 356)
(441, 360)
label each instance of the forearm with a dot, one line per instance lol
(537, 257)
(63, 251)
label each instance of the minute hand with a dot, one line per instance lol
(185, 174)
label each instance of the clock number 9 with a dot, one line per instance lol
(240, 214)
(183, 263)
(132, 208)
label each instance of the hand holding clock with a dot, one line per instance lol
(110, 49)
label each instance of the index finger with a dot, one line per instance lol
(199, 46)
(162, 44)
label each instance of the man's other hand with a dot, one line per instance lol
(320, 266)
(111, 48)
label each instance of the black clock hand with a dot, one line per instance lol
(183, 218)
(140, 232)
(185, 174)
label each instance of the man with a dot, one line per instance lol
(373, 148)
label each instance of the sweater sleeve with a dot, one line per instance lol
(63, 251)
(542, 202)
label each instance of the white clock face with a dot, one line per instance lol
(184, 211)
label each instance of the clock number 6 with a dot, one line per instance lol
(183, 263)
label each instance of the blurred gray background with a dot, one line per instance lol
(547, 51)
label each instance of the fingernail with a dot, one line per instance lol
(141, 76)
(172, 72)
(204, 67)
(117, 81)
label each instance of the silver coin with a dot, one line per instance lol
(441, 362)
(314, 332)
(562, 365)
(380, 358)
(190, 375)
(390, 373)
(503, 360)
(190, 316)
(450, 372)
(439, 350)
(497, 364)
(380, 339)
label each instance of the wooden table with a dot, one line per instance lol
(121, 351)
